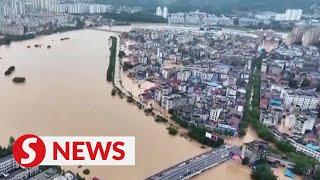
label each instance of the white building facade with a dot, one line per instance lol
(303, 99)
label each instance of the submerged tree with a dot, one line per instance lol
(263, 172)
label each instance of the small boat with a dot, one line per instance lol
(67, 38)
(9, 70)
(7, 73)
(19, 79)
(48, 47)
(28, 46)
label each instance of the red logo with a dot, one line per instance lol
(29, 150)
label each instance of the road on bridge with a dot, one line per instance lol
(196, 165)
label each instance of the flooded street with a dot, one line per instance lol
(66, 93)
(250, 136)
(229, 170)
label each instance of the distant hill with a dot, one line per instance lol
(217, 5)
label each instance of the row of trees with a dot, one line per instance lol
(199, 134)
(112, 60)
(263, 172)
(251, 114)
(254, 111)
(195, 132)
(8, 39)
(145, 17)
(216, 6)
(11, 38)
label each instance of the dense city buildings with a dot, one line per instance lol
(23, 19)
(200, 75)
(27, 17)
(290, 15)
(10, 169)
(289, 95)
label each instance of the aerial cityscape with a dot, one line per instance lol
(209, 89)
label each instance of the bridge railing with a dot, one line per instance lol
(188, 160)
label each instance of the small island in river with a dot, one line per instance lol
(19, 79)
(9, 71)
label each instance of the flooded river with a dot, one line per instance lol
(66, 93)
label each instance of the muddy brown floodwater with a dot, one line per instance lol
(66, 93)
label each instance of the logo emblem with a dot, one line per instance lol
(29, 150)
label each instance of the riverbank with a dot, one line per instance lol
(7, 39)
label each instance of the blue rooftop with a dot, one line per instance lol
(275, 101)
(313, 147)
(215, 77)
(223, 66)
(213, 83)
(195, 79)
(288, 173)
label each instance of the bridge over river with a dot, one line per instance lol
(107, 30)
(198, 164)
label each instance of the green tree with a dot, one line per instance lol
(86, 171)
(199, 134)
(113, 92)
(242, 132)
(136, 17)
(293, 84)
(171, 111)
(302, 162)
(316, 175)
(217, 143)
(178, 120)
(160, 119)
(305, 82)
(121, 54)
(172, 131)
(11, 141)
(285, 146)
(245, 161)
(263, 172)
